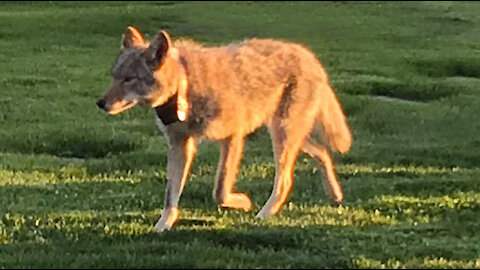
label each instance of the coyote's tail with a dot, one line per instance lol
(333, 123)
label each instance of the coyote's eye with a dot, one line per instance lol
(128, 79)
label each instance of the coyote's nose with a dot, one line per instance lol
(101, 103)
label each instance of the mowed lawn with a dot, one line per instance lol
(81, 189)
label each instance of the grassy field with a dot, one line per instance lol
(79, 188)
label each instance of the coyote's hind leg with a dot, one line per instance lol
(332, 187)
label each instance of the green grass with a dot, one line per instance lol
(79, 188)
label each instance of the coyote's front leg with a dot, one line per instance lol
(230, 155)
(181, 152)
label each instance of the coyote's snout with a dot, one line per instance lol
(223, 94)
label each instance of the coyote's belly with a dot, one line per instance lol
(217, 117)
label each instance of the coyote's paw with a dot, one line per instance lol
(168, 219)
(264, 213)
(161, 227)
(335, 203)
(271, 208)
(237, 200)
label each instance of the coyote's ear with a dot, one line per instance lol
(159, 46)
(131, 38)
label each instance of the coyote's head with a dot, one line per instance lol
(144, 73)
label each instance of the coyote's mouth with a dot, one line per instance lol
(121, 106)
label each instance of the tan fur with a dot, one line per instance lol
(232, 91)
(187, 43)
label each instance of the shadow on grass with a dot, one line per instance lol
(413, 91)
(147, 193)
(198, 239)
(242, 246)
(456, 67)
(69, 145)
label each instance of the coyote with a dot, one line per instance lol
(223, 94)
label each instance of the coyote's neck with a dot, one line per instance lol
(182, 102)
(176, 107)
(167, 112)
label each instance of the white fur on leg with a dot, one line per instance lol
(168, 218)
(265, 212)
(277, 197)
